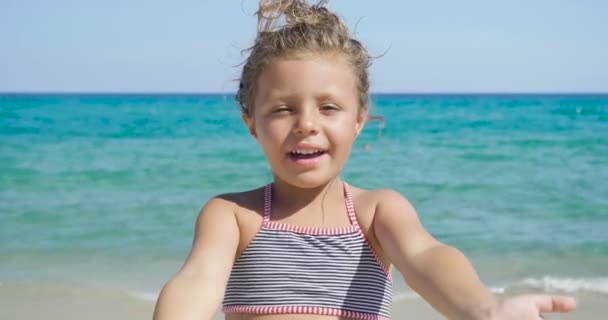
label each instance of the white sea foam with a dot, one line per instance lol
(412, 295)
(569, 285)
(145, 296)
(497, 290)
(547, 283)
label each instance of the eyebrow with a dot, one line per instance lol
(323, 96)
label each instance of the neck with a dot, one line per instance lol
(297, 198)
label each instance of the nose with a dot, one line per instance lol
(306, 123)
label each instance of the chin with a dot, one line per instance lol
(308, 180)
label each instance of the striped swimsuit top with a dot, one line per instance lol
(288, 269)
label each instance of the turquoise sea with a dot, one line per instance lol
(103, 190)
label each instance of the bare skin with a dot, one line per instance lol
(319, 108)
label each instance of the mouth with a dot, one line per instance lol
(306, 154)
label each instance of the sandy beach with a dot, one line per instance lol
(67, 302)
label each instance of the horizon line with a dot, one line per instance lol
(220, 93)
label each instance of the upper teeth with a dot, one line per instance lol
(306, 151)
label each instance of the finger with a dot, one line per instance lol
(547, 303)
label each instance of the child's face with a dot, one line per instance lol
(306, 117)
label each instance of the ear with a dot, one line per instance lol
(250, 124)
(361, 119)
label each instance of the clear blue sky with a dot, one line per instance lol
(192, 46)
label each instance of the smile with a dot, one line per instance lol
(306, 154)
(306, 158)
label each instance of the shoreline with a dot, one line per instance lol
(52, 301)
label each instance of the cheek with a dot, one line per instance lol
(272, 133)
(343, 129)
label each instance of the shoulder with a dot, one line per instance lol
(397, 225)
(388, 198)
(390, 222)
(229, 205)
(382, 200)
(381, 208)
(235, 200)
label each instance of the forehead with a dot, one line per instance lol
(310, 74)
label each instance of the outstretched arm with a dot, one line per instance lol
(196, 291)
(442, 275)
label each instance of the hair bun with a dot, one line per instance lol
(295, 12)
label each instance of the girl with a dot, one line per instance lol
(308, 245)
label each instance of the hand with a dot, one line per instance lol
(530, 307)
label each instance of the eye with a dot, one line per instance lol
(329, 108)
(281, 109)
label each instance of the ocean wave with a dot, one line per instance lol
(412, 295)
(143, 295)
(568, 285)
(544, 284)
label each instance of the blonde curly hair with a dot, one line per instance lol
(306, 29)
